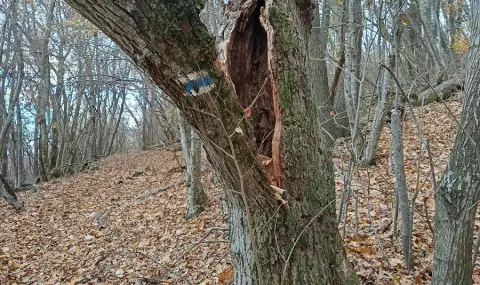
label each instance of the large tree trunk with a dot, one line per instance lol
(458, 193)
(251, 98)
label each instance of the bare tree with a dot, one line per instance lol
(45, 90)
(16, 67)
(192, 150)
(352, 76)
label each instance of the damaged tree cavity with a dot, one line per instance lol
(249, 66)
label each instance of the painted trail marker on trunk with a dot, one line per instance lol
(197, 83)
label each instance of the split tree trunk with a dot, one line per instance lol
(250, 98)
(458, 193)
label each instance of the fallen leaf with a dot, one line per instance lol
(119, 273)
(238, 130)
(248, 112)
(225, 276)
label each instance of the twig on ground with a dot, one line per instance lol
(152, 280)
(201, 240)
(161, 265)
(102, 258)
(386, 226)
(427, 218)
(161, 189)
(166, 187)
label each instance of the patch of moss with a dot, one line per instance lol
(179, 20)
(281, 20)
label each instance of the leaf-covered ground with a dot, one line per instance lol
(90, 228)
(375, 253)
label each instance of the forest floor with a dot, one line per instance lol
(90, 228)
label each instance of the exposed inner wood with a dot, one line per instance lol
(249, 66)
(277, 133)
(248, 69)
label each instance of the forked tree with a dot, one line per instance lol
(248, 96)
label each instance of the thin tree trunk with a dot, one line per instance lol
(45, 93)
(378, 120)
(352, 77)
(319, 74)
(57, 122)
(145, 138)
(401, 185)
(7, 191)
(117, 122)
(73, 131)
(186, 142)
(14, 97)
(197, 199)
(20, 169)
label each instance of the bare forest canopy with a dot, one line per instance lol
(314, 136)
(69, 94)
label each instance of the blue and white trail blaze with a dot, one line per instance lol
(197, 83)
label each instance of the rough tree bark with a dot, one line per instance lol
(458, 193)
(250, 98)
(197, 199)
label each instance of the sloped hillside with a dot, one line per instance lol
(90, 228)
(375, 253)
